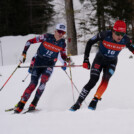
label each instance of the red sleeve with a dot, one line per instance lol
(63, 53)
(37, 39)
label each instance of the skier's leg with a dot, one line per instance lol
(34, 81)
(87, 88)
(28, 91)
(85, 91)
(108, 72)
(94, 77)
(44, 78)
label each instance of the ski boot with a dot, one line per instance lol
(19, 106)
(33, 104)
(75, 107)
(31, 107)
(93, 103)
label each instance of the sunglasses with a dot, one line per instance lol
(119, 33)
(61, 32)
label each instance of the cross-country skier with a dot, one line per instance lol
(47, 53)
(110, 45)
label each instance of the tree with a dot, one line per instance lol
(41, 13)
(123, 10)
(71, 30)
(10, 16)
(132, 19)
(107, 11)
(25, 16)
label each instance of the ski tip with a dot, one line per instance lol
(8, 110)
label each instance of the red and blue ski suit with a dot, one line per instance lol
(105, 59)
(47, 54)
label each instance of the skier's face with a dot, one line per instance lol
(59, 34)
(117, 36)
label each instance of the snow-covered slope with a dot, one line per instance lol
(114, 114)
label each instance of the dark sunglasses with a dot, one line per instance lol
(119, 33)
(61, 32)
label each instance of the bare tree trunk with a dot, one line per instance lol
(71, 30)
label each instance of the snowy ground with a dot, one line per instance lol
(114, 114)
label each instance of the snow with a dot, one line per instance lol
(12, 47)
(114, 114)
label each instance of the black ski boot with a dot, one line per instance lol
(31, 107)
(33, 104)
(19, 106)
(93, 103)
(75, 107)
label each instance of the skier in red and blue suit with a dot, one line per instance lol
(110, 45)
(47, 53)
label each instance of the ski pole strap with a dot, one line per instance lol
(50, 66)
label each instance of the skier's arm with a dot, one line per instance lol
(32, 41)
(32, 64)
(37, 39)
(93, 40)
(62, 61)
(63, 53)
(65, 57)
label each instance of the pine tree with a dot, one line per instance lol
(40, 12)
(21, 17)
(107, 11)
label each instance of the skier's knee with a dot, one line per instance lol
(44, 78)
(92, 82)
(35, 82)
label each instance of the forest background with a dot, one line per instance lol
(84, 18)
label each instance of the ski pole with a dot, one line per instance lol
(51, 66)
(71, 82)
(75, 86)
(25, 78)
(10, 76)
